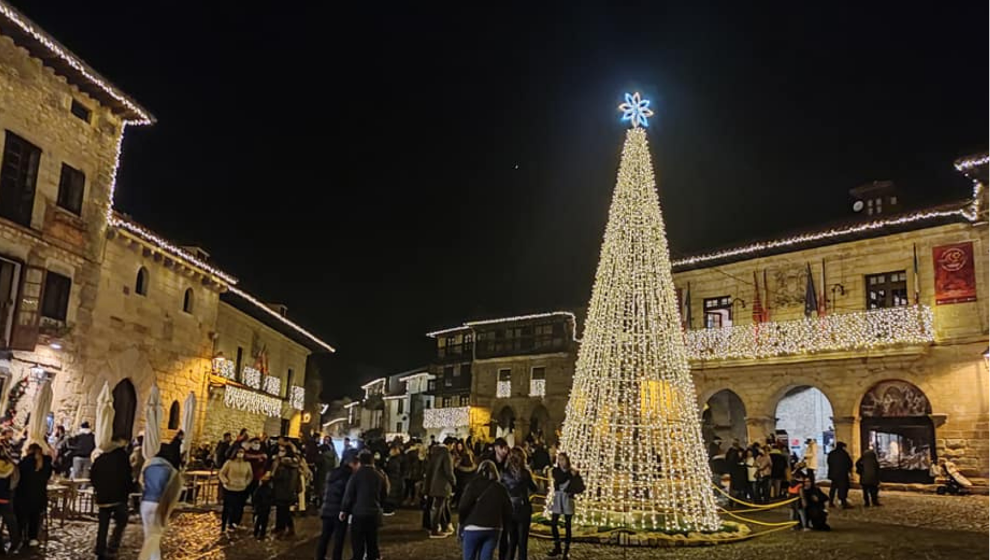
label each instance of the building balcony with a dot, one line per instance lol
(863, 330)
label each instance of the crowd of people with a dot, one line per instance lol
(490, 486)
(764, 472)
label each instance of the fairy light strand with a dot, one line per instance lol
(455, 417)
(632, 423)
(249, 401)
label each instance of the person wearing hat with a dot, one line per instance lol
(333, 498)
(810, 458)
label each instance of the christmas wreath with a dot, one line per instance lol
(16, 392)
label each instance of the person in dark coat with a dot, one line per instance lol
(81, 448)
(111, 478)
(286, 481)
(440, 482)
(366, 491)
(333, 497)
(868, 468)
(172, 451)
(393, 470)
(813, 502)
(31, 497)
(778, 473)
(484, 509)
(519, 482)
(261, 505)
(840, 464)
(220, 453)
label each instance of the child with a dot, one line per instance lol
(262, 503)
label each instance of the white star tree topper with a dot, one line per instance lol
(636, 110)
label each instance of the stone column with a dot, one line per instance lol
(759, 427)
(845, 431)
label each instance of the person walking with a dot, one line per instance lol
(335, 528)
(285, 490)
(440, 482)
(519, 482)
(484, 509)
(413, 473)
(464, 468)
(161, 484)
(111, 478)
(31, 497)
(235, 477)
(81, 448)
(364, 495)
(810, 458)
(840, 465)
(868, 468)
(567, 482)
(326, 463)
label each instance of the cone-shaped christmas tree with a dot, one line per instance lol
(632, 424)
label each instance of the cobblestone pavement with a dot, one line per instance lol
(909, 525)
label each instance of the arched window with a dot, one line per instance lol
(173, 416)
(141, 284)
(187, 301)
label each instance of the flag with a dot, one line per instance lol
(917, 288)
(766, 300)
(823, 301)
(810, 296)
(759, 315)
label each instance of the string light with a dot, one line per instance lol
(260, 305)
(297, 397)
(249, 401)
(876, 328)
(273, 385)
(224, 368)
(251, 377)
(503, 389)
(176, 251)
(537, 387)
(468, 325)
(632, 424)
(456, 417)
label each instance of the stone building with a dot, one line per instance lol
(508, 377)
(872, 332)
(89, 296)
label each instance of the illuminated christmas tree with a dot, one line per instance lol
(632, 424)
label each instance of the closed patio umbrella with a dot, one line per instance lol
(188, 418)
(38, 429)
(152, 424)
(104, 417)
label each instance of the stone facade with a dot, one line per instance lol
(951, 372)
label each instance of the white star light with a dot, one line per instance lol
(636, 110)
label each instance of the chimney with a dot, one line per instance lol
(875, 198)
(279, 308)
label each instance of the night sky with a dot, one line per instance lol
(385, 172)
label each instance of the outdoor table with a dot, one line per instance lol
(200, 484)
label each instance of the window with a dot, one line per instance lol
(187, 301)
(55, 296)
(538, 382)
(886, 290)
(18, 177)
(465, 400)
(398, 427)
(141, 284)
(400, 407)
(288, 381)
(465, 370)
(445, 403)
(80, 110)
(718, 312)
(173, 416)
(237, 363)
(503, 389)
(448, 376)
(70, 189)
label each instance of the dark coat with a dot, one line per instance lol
(82, 444)
(519, 487)
(778, 466)
(220, 455)
(868, 468)
(440, 478)
(262, 497)
(286, 480)
(333, 493)
(111, 477)
(365, 493)
(32, 490)
(839, 465)
(485, 503)
(393, 470)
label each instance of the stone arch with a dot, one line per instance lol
(805, 412)
(124, 409)
(141, 282)
(173, 416)
(895, 420)
(723, 419)
(539, 422)
(504, 424)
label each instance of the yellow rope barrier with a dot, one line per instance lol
(756, 507)
(790, 523)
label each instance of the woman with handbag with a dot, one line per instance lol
(567, 482)
(519, 482)
(483, 510)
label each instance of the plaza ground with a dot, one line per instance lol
(908, 525)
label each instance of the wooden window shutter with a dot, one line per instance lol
(25, 335)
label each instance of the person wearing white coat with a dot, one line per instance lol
(811, 458)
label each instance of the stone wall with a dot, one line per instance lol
(222, 419)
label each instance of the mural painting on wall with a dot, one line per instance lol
(889, 399)
(789, 285)
(955, 278)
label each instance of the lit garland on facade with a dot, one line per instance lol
(273, 385)
(161, 243)
(503, 389)
(224, 368)
(297, 397)
(632, 424)
(260, 305)
(468, 325)
(537, 387)
(249, 401)
(876, 328)
(457, 417)
(251, 377)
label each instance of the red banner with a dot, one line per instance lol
(955, 275)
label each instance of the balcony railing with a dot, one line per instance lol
(864, 330)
